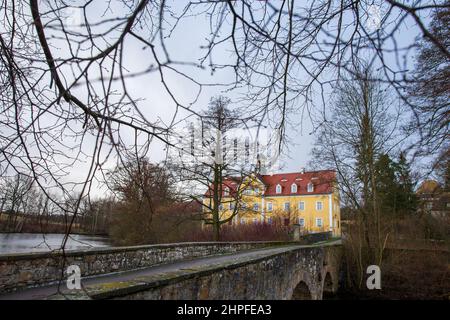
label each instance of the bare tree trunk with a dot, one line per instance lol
(216, 204)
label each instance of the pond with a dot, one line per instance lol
(37, 242)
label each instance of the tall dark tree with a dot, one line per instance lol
(407, 200)
(387, 185)
(395, 186)
(430, 92)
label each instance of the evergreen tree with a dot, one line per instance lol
(395, 186)
(387, 186)
(406, 198)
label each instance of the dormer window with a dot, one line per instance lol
(278, 189)
(310, 187)
(293, 188)
(226, 192)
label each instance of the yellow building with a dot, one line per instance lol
(307, 199)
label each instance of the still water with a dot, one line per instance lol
(36, 242)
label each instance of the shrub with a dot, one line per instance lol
(244, 232)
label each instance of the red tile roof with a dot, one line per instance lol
(322, 181)
(232, 183)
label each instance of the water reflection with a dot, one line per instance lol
(34, 242)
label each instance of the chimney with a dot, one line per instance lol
(302, 170)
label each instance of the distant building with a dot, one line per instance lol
(307, 199)
(433, 199)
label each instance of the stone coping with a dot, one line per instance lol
(108, 250)
(113, 289)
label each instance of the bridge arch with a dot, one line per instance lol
(301, 292)
(328, 283)
(328, 287)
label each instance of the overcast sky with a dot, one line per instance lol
(185, 45)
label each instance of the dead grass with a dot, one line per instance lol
(413, 266)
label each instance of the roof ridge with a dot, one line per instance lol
(299, 172)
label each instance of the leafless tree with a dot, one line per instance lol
(429, 92)
(18, 201)
(142, 189)
(211, 170)
(66, 98)
(362, 126)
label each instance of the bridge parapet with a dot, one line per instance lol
(36, 269)
(290, 272)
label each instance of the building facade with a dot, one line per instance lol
(433, 199)
(307, 199)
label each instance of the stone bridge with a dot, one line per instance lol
(246, 270)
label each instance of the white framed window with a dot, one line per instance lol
(248, 191)
(256, 190)
(293, 188)
(310, 187)
(269, 220)
(220, 207)
(319, 222)
(242, 220)
(231, 205)
(319, 205)
(269, 206)
(301, 206)
(255, 220)
(244, 205)
(255, 207)
(226, 192)
(301, 222)
(278, 188)
(287, 206)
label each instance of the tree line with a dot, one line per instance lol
(67, 102)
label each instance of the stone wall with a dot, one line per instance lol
(36, 269)
(276, 277)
